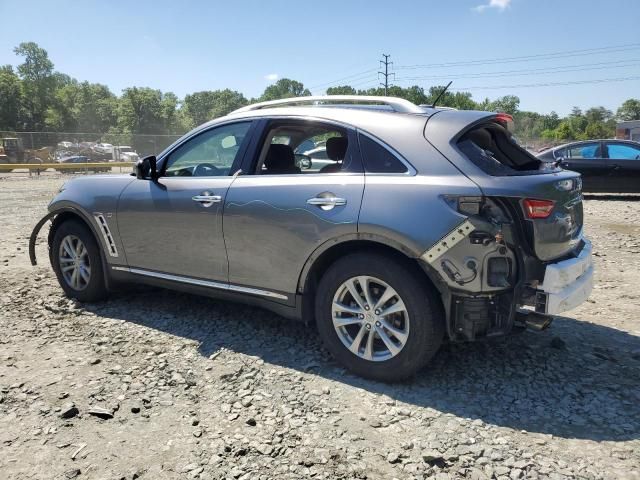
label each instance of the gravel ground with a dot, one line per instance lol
(154, 384)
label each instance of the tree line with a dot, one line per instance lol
(35, 97)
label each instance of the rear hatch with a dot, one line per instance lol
(545, 200)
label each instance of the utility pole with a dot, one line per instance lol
(386, 73)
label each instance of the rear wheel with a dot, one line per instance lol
(75, 257)
(378, 317)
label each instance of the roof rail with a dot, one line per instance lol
(399, 105)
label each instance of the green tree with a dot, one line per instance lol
(200, 107)
(82, 107)
(284, 88)
(10, 99)
(595, 130)
(629, 110)
(147, 111)
(38, 83)
(564, 131)
(341, 90)
(598, 115)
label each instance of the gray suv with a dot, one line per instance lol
(426, 225)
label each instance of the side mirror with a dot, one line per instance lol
(146, 168)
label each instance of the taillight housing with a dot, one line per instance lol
(537, 208)
(505, 120)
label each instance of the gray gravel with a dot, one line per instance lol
(155, 384)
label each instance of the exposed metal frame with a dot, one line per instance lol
(202, 283)
(447, 242)
(399, 105)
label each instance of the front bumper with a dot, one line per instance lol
(566, 284)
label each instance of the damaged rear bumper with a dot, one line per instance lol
(566, 284)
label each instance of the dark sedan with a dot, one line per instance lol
(605, 165)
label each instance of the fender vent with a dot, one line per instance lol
(106, 234)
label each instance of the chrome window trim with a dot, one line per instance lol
(201, 283)
(411, 171)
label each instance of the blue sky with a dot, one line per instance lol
(186, 46)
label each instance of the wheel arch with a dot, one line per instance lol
(327, 254)
(58, 217)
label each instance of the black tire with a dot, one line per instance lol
(95, 288)
(426, 319)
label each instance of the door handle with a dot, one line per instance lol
(327, 203)
(206, 199)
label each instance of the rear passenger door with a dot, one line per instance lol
(624, 166)
(278, 211)
(587, 158)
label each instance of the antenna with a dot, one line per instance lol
(433, 105)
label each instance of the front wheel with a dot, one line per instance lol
(75, 258)
(378, 317)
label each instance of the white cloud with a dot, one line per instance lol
(272, 77)
(500, 5)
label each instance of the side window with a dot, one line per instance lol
(294, 148)
(210, 154)
(621, 151)
(560, 153)
(378, 159)
(585, 150)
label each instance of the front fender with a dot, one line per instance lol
(55, 210)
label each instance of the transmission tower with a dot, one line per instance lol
(386, 73)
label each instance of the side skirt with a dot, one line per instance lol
(237, 294)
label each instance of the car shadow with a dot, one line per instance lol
(619, 197)
(575, 380)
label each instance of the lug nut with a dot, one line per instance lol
(378, 324)
(361, 316)
(368, 326)
(366, 307)
(377, 312)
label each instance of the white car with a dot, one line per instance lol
(125, 153)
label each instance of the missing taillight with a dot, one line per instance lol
(538, 208)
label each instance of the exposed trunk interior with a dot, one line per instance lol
(492, 148)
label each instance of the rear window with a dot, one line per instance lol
(378, 159)
(492, 148)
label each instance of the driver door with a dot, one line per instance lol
(174, 225)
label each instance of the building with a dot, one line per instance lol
(628, 130)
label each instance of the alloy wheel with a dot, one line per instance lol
(73, 259)
(370, 318)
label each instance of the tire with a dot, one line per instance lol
(419, 326)
(83, 287)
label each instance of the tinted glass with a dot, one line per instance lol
(301, 148)
(623, 151)
(210, 154)
(584, 150)
(378, 159)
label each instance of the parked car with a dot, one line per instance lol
(61, 158)
(125, 153)
(605, 165)
(432, 225)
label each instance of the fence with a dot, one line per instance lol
(66, 152)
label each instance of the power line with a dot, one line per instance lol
(343, 78)
(386, 73)
(549, 84)
(539, 71)
(525, 58)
